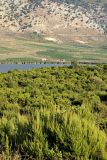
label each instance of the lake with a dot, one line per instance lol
(9, 67)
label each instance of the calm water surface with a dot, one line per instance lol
(10, 67)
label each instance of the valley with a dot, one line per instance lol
(53, 79)
(36, 48)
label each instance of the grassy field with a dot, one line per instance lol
(20, 48)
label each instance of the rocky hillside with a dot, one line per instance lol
(54, 16)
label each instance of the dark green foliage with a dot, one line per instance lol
(54, 113)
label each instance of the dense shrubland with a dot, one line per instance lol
(55, 113)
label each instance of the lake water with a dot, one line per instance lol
(9, 67)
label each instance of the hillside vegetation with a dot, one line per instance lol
(61, 29)
(77, 17)
(54, 113)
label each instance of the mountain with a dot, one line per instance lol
(55, 17)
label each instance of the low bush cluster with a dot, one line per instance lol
(54, 113)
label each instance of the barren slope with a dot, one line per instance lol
(52, 17)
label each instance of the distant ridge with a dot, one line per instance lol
(53, 17)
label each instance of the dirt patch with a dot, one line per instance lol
(82, 42)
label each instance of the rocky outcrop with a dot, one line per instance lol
(53, 16)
